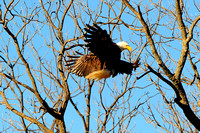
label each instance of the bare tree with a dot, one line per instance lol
(38, 92)
(35, 83)
(184, 29)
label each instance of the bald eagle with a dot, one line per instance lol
(104, 57)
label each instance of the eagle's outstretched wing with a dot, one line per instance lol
(84, 65)
(100, 43)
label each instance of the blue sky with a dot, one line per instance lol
(44, 36)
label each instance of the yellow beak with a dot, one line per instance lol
(129, 48)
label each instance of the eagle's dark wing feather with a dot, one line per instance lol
(100, 43)
(125, 67)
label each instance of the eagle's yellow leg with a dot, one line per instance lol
(98, 75)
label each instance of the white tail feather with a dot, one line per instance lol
(98, 75)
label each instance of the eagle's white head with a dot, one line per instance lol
(123, 45)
